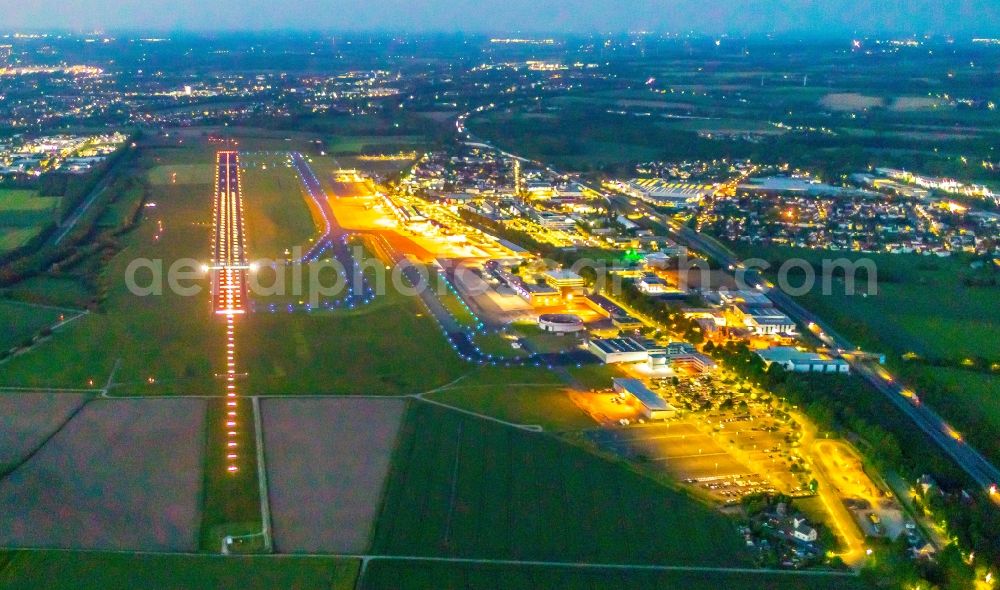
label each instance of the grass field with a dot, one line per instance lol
(410, 575)
(65, 291)
(112, 571)
(164, 338)
(595, 376)
(12, 238)
(462, 486)
(373, 144)
(451, 300)
(231, 501)
(25, 204)
(23, 214)
(545, 405)
(278, 217)
(378, 349)
(22, 321)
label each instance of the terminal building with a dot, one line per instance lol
(535, 294)
(652, 406)
(802, 361)
(566, 282)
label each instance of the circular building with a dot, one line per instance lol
(563, 323)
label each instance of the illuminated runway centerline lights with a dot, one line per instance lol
(228, 268)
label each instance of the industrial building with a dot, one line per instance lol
(660, 192)
(651, 284)
(622, 350)
(802, 361)
(652, 406)
(759, 320)
(609, 309)
(684, 354)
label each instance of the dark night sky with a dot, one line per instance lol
(707, 16)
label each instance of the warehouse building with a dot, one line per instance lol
(802, 361)
(652, 406)
(664, 193)
(622, 350)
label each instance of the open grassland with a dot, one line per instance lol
(23, 207)
(277, 214)
(21, 321)
(122, 474)
(167, 343)
(412, 575)
(44, 570)
(171, 174)
(378, 349)
(327, 461)
(595, 376)
(27, 420)
(463, 486)
(67, 291)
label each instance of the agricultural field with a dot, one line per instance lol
(28, 419)
(23, 214)
(327, 461)
(413, 575)
(51, 570)
(465, 487)
(122, 474)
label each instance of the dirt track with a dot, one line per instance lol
(122, 474)
(327, 460)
